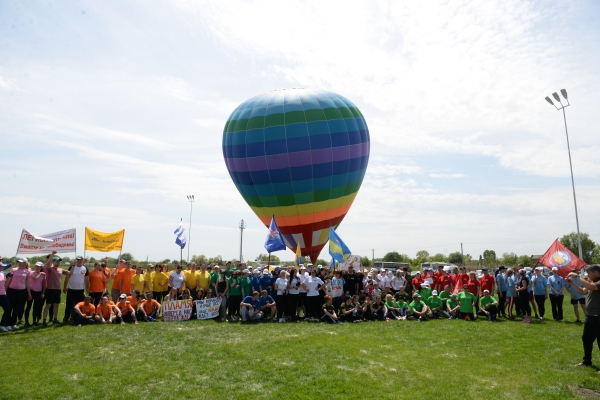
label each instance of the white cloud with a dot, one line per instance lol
(447, 175)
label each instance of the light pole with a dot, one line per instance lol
(191, 200)
(562, 107)
(242, 227)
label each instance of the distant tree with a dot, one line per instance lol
(92, 260)
(366, 261)
(509, 259)
(392, 256)
(422, 255)
(322, 262)
(455, 258)
(199, 259)
(165, 261)
(127, 257)
(468, 258)
(215, 260)
(525, 260)
(263, 258)
(489, 258)
(596, 258)
(587, 245)
(66, 259)
(439, 257)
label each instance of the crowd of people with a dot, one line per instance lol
(131, 293)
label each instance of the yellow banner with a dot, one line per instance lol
(100, 241)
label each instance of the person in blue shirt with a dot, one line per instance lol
(557, 286)
(576, 298)
(540, 291)
(250, 308)
(268, 307)
(265, 281)
(511, 292)
(255, 281)
(502, 288)
(529, 276)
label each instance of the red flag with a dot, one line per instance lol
(560, 257)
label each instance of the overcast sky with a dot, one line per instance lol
(112, 112)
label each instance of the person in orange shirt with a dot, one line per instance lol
(136, 300)
(97, 280)
(84, 312)
(116, 276)
(151, 308)
(105, 311)
(126, 274)
(126, 311)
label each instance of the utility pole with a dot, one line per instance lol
(191, 200)
(242, 227)
(462, 255)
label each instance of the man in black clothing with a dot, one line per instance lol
(351, 281)
(591, 329)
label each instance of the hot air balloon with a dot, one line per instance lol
(299, 155)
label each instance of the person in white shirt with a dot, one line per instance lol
(74, 286)
(312, 297)
(302, 290)
(398, 283)
(176, 278)
(281, 285)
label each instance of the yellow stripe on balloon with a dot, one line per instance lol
(303, 209)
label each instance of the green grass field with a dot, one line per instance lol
(437, 359)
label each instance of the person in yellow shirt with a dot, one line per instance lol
(203, 278)
(160, 280)
(148, 279)
(137, 281)
(190, 279)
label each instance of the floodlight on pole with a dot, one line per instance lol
(563, 106)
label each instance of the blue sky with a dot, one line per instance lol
(111, 113)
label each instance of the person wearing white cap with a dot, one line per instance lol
(18, 290)
(436, 306)
(265, 281)
(488, 306)
(557, 286)
(302, 290)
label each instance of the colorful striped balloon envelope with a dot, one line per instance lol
(300, 155)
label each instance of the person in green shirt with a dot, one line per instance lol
(488, 306)
(228, 269)
(418, 309)
(235, 297)
(425, 291)
(436, 306)
(401, 305)
(246, 284)
(445, 295)
(214, 277)
(467, 302)
(453, 307)
(391, 306)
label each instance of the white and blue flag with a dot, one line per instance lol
(274, 240)
(180, 239)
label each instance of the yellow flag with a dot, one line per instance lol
(100, 241)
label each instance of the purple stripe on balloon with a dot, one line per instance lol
(297, 159)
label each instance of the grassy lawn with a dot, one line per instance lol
(205, 359)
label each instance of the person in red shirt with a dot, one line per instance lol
(438, 273)
(416, 281)
(463, 277)
(487, 280)
(84, 312)
(441, 281)
(126, 311)
(474, 289)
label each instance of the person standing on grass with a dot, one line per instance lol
(523, 296)
(467, 301)
(329, 314)
(557, 286)
(453, 307)
(148, 279)
(54, 279)
(591, 329)
(97, 283)
(177, 278)
(489, 306)
(203, 278)
(502, 288)
(576, 297)
(84, 311)
(137, 281)
(222, 292)
(293, 294)
(235, 295)
(37, 286)
(159, 283)
(75, 286)
(313, 284)
(418, 309)
(5, 304)
(105, 311)
(18, 291)
(540, 291)
(116, 275)
(474, 289)
(151, 308)
(511, 292)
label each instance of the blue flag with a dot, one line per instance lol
(274, 240)
(180, 239)
(338, 249)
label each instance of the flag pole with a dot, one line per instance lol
(269, 260)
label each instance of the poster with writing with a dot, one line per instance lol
(208, 308)
(177, 310)
(353, 261)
